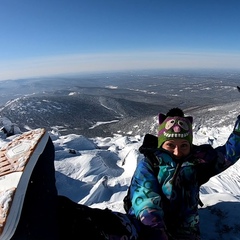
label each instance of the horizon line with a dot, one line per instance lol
(118, 61)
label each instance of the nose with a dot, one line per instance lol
(177, 152)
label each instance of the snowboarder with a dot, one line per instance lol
(168, 202)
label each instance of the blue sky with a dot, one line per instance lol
(41, 38)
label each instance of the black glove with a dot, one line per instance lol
(236, 128)
(154, 234)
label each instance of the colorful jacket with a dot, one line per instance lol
(170, 200)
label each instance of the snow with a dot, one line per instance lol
(98, 171)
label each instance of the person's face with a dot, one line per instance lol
(178, 147)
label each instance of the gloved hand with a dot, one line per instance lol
(236, 128)
(161, 234)
(154, 234)
(154, 227)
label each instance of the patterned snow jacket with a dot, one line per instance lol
(170, 200)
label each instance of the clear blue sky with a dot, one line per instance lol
(44, 37)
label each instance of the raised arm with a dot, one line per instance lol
(214, 161)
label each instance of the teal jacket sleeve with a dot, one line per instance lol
(145, 196)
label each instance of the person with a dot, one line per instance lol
(168, 202)
(164, 205)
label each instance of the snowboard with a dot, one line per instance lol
(17, 160)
